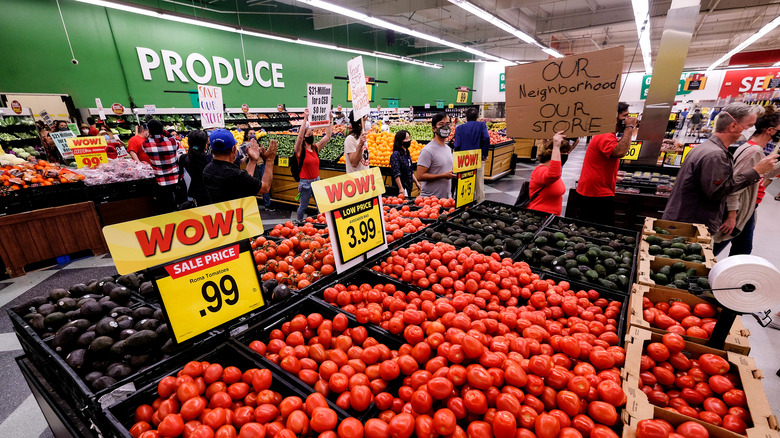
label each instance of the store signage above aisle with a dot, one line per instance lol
(60, 140)
(361, 104)
(695, 82)
(576, 94)
(465, 165)
(118, 109)
(16, 107)
(318, 102)
(88, 151)
(736, 82)
(212, 112)
(150, 109)
(502, 82)
(203, 291)
(682, 89)
(352, 204)
(155, 240)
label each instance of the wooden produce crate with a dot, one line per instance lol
(498, 162)
(638, 407)
(656, 263)
(706, 252)
(736, 341)
(524, 148)
(49, 233)
(695, 232)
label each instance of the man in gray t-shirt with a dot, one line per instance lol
(434, 167)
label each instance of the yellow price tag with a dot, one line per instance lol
(284, 162)
(463, 97)
(359, 228)
(466, 160)
(88, 151)
(633, 151)
(686, 150)
(465, 189)
(205, 291)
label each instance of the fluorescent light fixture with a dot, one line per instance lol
(503, 25)
(642, 20)
(753, 38)
(397, 28)
(240, 30)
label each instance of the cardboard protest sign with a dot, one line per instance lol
(318, 102)
(361, 104)
(576, 94)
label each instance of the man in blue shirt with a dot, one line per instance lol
(474, 135)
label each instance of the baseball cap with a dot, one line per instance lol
(222, 140)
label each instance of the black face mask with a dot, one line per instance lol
(621, 125)
(309, 139)
(406, 144)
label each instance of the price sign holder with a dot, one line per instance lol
(207, 290)
(352, 204)
(284, 161)
(633, 151)
(88, 151)
(688, 147)
(465, 165)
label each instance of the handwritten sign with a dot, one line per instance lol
(88, 151)
(140, 244)
(99, 106)
(212, 114)
(361, 104)
(47, 120)
(576, 94)
(318, 98)
(60, 140)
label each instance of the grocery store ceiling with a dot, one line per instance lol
(570, 26)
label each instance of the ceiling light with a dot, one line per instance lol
(503, 25)
(396, 28)
(642, 20)
(240, 30)
(753, 38)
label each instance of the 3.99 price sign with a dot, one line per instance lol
(207, 290)
(358, 228)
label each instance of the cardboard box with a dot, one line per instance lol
(637, 408)
(736, 341)
(645, 265)
(706, 252)
(695, 232)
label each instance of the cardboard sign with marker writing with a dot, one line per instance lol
(576, 94)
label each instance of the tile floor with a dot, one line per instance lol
(20, 416)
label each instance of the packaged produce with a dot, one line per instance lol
(116, 170)
(33, 173)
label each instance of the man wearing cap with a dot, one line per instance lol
(224, 180)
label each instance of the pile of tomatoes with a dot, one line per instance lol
(394, 200)
(289, 229)
(703, 388)
(298, 260)
(205, 400)
(678, 317)
(657, 428)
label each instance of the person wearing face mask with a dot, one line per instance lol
(434, 166)
(707, 175)
(401, 163)
(307, 154)
(135, 146)
(84, 129)
(596, 187)
(62, 125)
(739, 224)
(356, 146)
(224, 180)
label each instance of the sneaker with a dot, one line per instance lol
(269, 208)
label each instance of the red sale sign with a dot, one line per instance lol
(737, 82)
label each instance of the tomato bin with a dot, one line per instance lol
(669, 379)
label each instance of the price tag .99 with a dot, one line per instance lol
(359, 228)
(207, 290)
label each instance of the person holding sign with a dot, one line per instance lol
(474, 135)
(224, 180)
(401, 163)
(356, 146)
(307, 154)
(596, 187)
(546, 188)
(434, 167)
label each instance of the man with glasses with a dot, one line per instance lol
(707, 177)
(434, 166)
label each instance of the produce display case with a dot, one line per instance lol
(19, 135)
(499, 160)
(669, 229)
(650, 267)
(631, 210)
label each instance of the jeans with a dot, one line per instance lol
(742, 244)
(267, 196)
(304, 187)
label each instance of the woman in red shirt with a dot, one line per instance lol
(310, 165)
(546, 188)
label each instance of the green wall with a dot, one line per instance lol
(37, 59)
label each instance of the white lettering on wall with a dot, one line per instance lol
(218, 68)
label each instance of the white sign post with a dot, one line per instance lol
(361, 104)
(99, 106)
(318, 97)
(212, 114)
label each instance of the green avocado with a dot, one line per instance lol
(655, 249)
(653, 239)
(666, 270)
(694, 248)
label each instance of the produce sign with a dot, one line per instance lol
(361, 104)
(353, 211)
(633, 151)
(318, 98)
(576, 94)
(16, 106)
(88, 151)
(212, 114)
(140, 244)
(118, 109)
(60, 140)
(464, 165)
(207, 290)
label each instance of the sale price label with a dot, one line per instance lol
(633, 151)
(464, 164)
(207, 290)
(88, 151)
(359, 228)
(465, 188)
(284, 161)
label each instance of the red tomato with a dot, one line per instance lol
(674, 342)
(475, 402)
(423, 427)
(692, 429)
(657, 351)
(735, 397)
(547, 426)
(602, 412)
(444, 422)
(172, 425)
(504, 425)
(252, 430)
(651, 429)
(139, 428)
(143, 413)
(376, 428)
(226, 431)
(479, 429)
(351, 428)
(401, 425)
(712, 364)
(720, 384)
(710, 417)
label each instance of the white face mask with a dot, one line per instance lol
(85, 131)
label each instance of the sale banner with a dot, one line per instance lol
(88, 151)
(466, 160)
(318, 98)
(736, 82)
(343, 190)
(140, 244)
(212, 112)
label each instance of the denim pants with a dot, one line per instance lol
(743, 243)
(304, 187)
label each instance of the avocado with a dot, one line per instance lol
(130, 281)
(681, 246)
(142, 360)
(101, 344)
(120, 295)
(560, 270)
(66, 304)
(140, 341)
(592, 275)
(574, 273)
(674, 253)
(91, 309)
(146, 288)
(660, 279)
(78, 290)
(75, 359)
(85, 339)
(655, 249)
(118, 350)
(547, 260)
(46, 309)
(119, 311)
(58, 294)
(678, 239)
(680, 276)
(694, 248)
(103, 383)
(660, 231)
(81, 324)
(55, 320)
(91, 377)
(65, 336)
(703, 282)
(607, 283)
(666, 270)
(125, 322)
(678, 267)
(126, 333)
(600, 269)
(162, 331)
(118, 371)
(36, 322)
(680, 284)
(583, 259)
(107, 327)
(623, 281)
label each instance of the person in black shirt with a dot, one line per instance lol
(194, 161)
(224, 180)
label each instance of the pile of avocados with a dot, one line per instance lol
(580, 259)
(93, 327)
(675, 248)
(504, 245)
(510, 212)
(676, 276)
(571, 229)
(525, 224)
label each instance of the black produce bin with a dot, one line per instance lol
(452, 226)
(490, 208)
(36, 198)
(118, 418)
(561, 222)
(307, 306)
